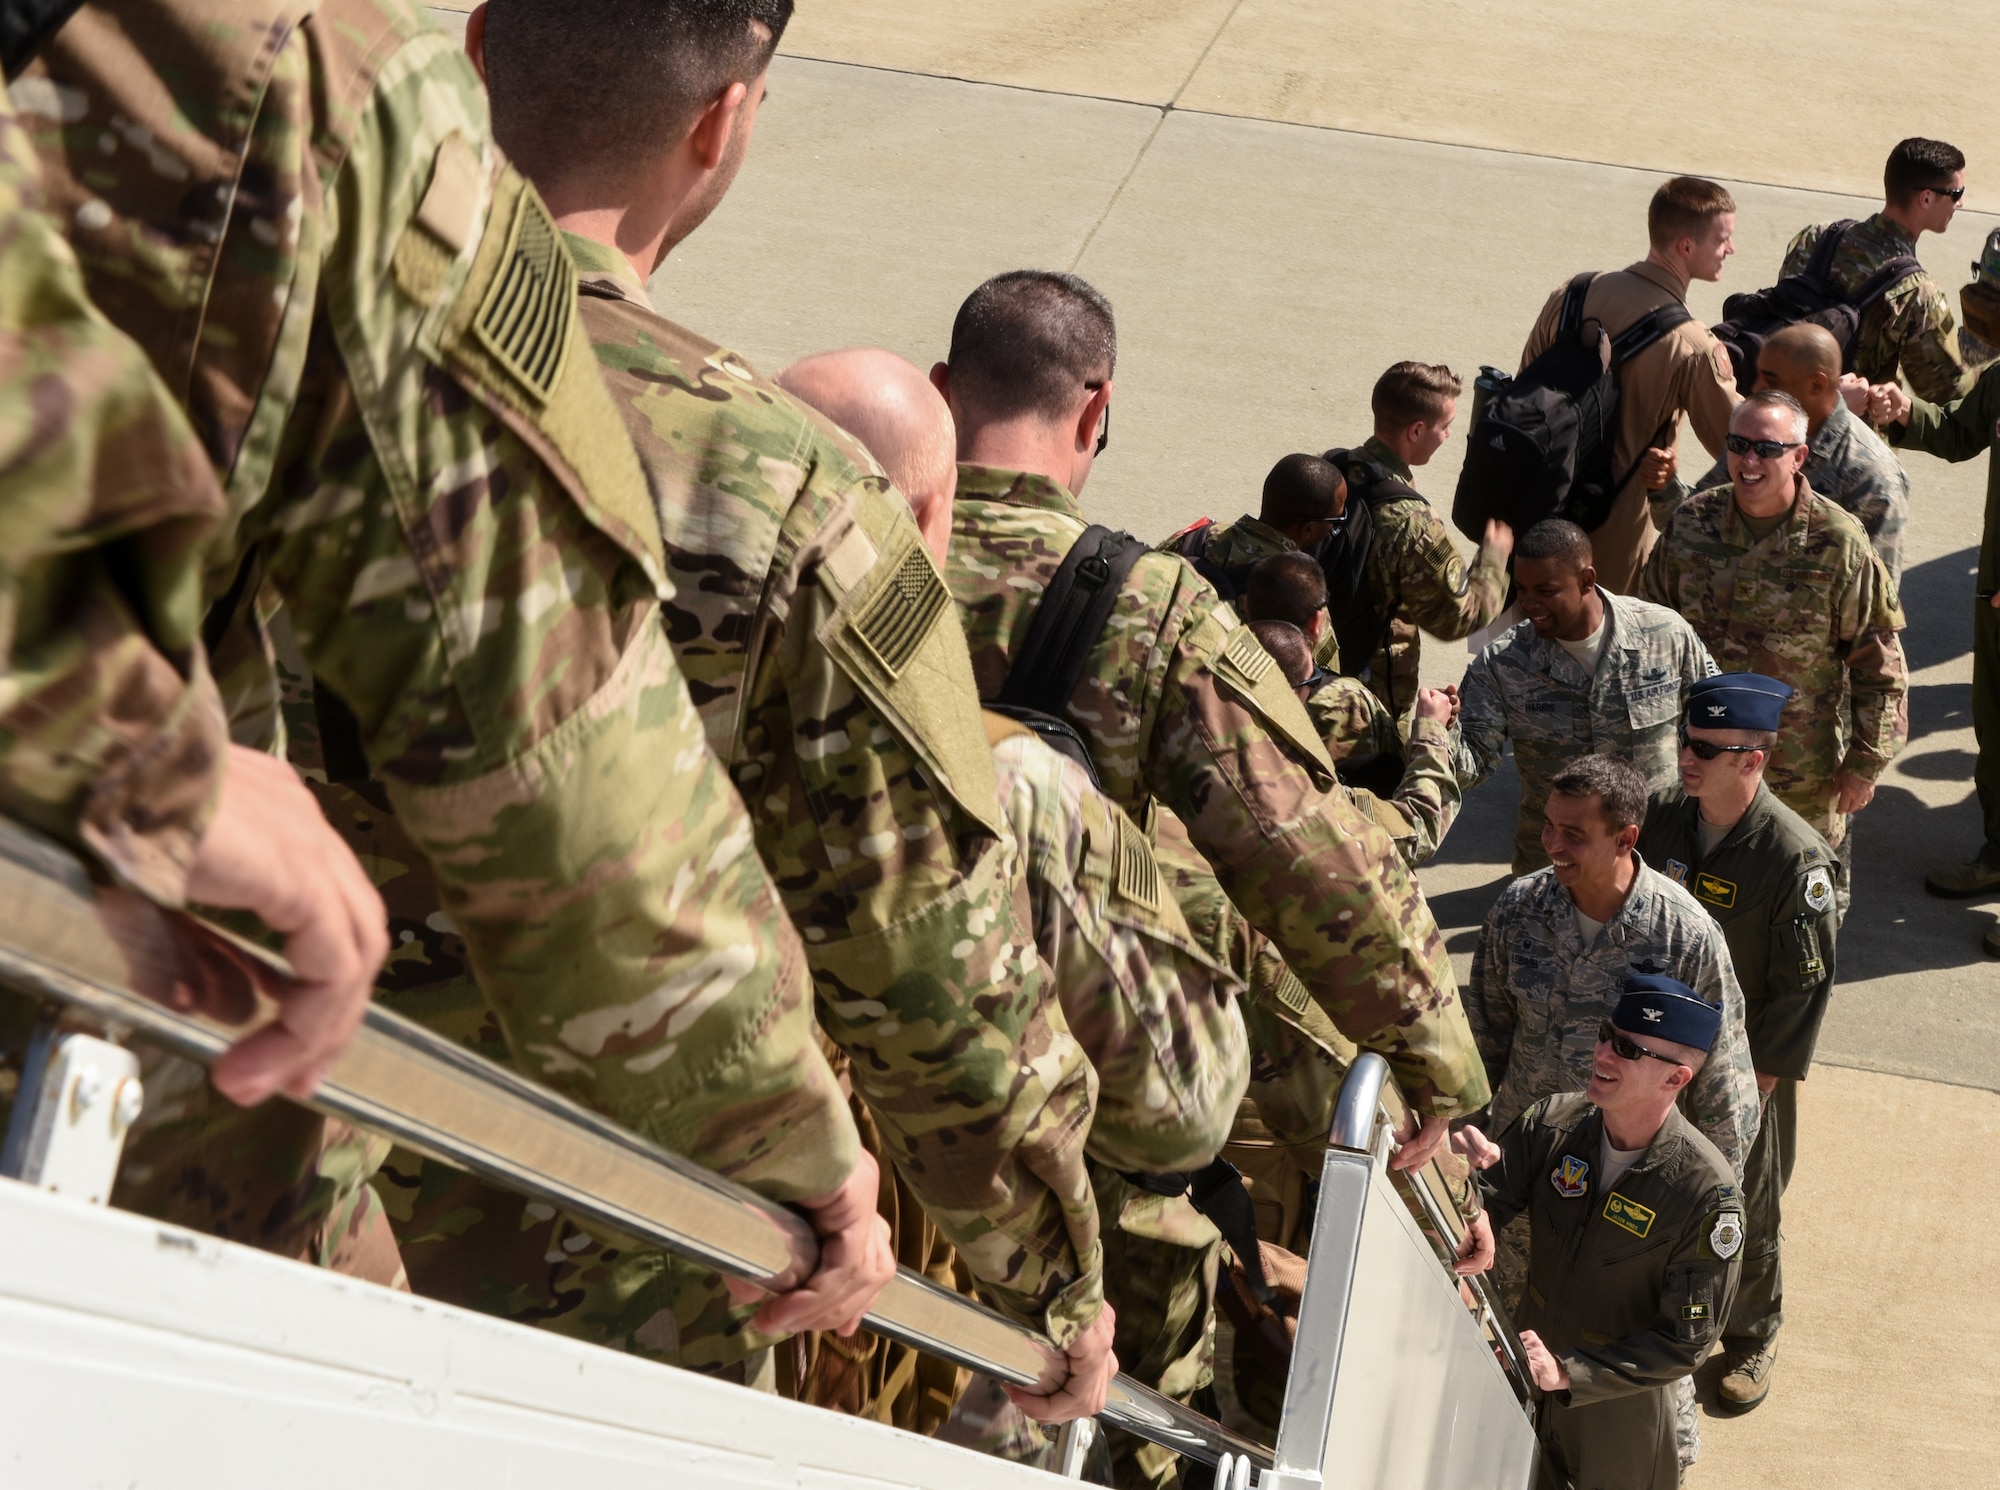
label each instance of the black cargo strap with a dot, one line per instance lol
(1216, 1190)
(1873, 288)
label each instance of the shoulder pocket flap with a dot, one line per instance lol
(1253, 675)
(512, 333)
(897, 637)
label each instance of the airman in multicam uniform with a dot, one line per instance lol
(1799, 595)
(1910, 329)
(1845, 459)
(1176, 700)
(1350, 720)
(385, 366)
(1587, 672)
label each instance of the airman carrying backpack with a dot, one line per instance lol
(1541, 443)
(1751, 318)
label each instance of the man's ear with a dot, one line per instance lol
(941, 379)
(1093, 411)
(1679, 1077)
(1340, 503)
(1628, 838)
(1586, 578)
(475, 38)
(709, 138)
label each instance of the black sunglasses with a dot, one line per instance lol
(1768, 449)
(1956, 193)
(1625, 1050)
(1104, 424)
(1708, 750)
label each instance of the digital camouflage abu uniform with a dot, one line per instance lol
(1849, 462)
(1627, 1284)
(364, 310)
(1811, 605)
(1180, 702)
(1526, 689)
(1910, 328)
(1416, 578)
(1961, 432)
(1769, 885)
(1538, 995)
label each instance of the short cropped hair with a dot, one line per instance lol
(1617, 784)
(1285, 587)
(1559, 539)
(1411, 391)
(1918, 164)
(1301, 489)
(1287, 644)
(1683, 208)
(1771, 398)
(1028, 341)
(605, 87)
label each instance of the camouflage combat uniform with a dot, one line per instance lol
(1811, 605)
(1527, 689)
(1417, 580)
(1849, 462)
(444, 497)
(1239, 547)
(1179, 701)
(1350, 720)
(1538, 994)
(1911, 328)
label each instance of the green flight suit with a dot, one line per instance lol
(1769, 885)
(1627, 1284)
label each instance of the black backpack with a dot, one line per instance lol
(1541, 443)
(1359, 625)
(1192, 543)
(1750, 319)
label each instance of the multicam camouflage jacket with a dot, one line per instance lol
(1848, 462)
(1808, 603)
(1538, 995)
(1350, 720)
(1154, 1010)
(1419, 580)
(1911, 326)
(818, 637)
(366, 314)
(1527, 689)
(1421, 810)
(1179, 702)
(1238, 548)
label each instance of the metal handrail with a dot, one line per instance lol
(195, 990)
(1369, 1101)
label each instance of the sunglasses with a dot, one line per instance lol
(1708, 750)
(1956, 193)
(1766, 449)
(1104, 425)
(1625, 1050)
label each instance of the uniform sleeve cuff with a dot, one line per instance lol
(145, 813)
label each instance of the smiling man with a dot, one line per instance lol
(1586, 671)
(1778, 580)
(1767, 878)
(1636, 1235)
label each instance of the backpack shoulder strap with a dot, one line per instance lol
(1569, 322)
(1648, 329)
(1068, 621)
(1885, 279)
(1370, 482)
(1820, 265)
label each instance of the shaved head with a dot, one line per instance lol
(890, 407)
(1808, 347)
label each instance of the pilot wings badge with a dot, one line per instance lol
(1571, 1177)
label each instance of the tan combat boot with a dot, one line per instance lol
(1747, 1382)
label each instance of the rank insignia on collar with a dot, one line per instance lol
(1677, 872)
(1631, 1216)
(1726, 1236)
(1718, 892)
(1571, 1177)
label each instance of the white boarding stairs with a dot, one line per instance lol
(137, 1356)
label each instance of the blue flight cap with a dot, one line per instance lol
(1737, 701)
(1667, 1007)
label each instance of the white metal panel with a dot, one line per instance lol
(140, 1357)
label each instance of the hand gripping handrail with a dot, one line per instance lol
(123, 962)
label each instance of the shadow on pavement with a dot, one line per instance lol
(1937, 601)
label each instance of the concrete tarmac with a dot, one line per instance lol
(1281, 199)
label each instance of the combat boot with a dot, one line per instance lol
(1747, 1382)
(1963, 881)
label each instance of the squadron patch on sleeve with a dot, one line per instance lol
(1819, 890)
(1725, 1237)
(1571, 1177)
